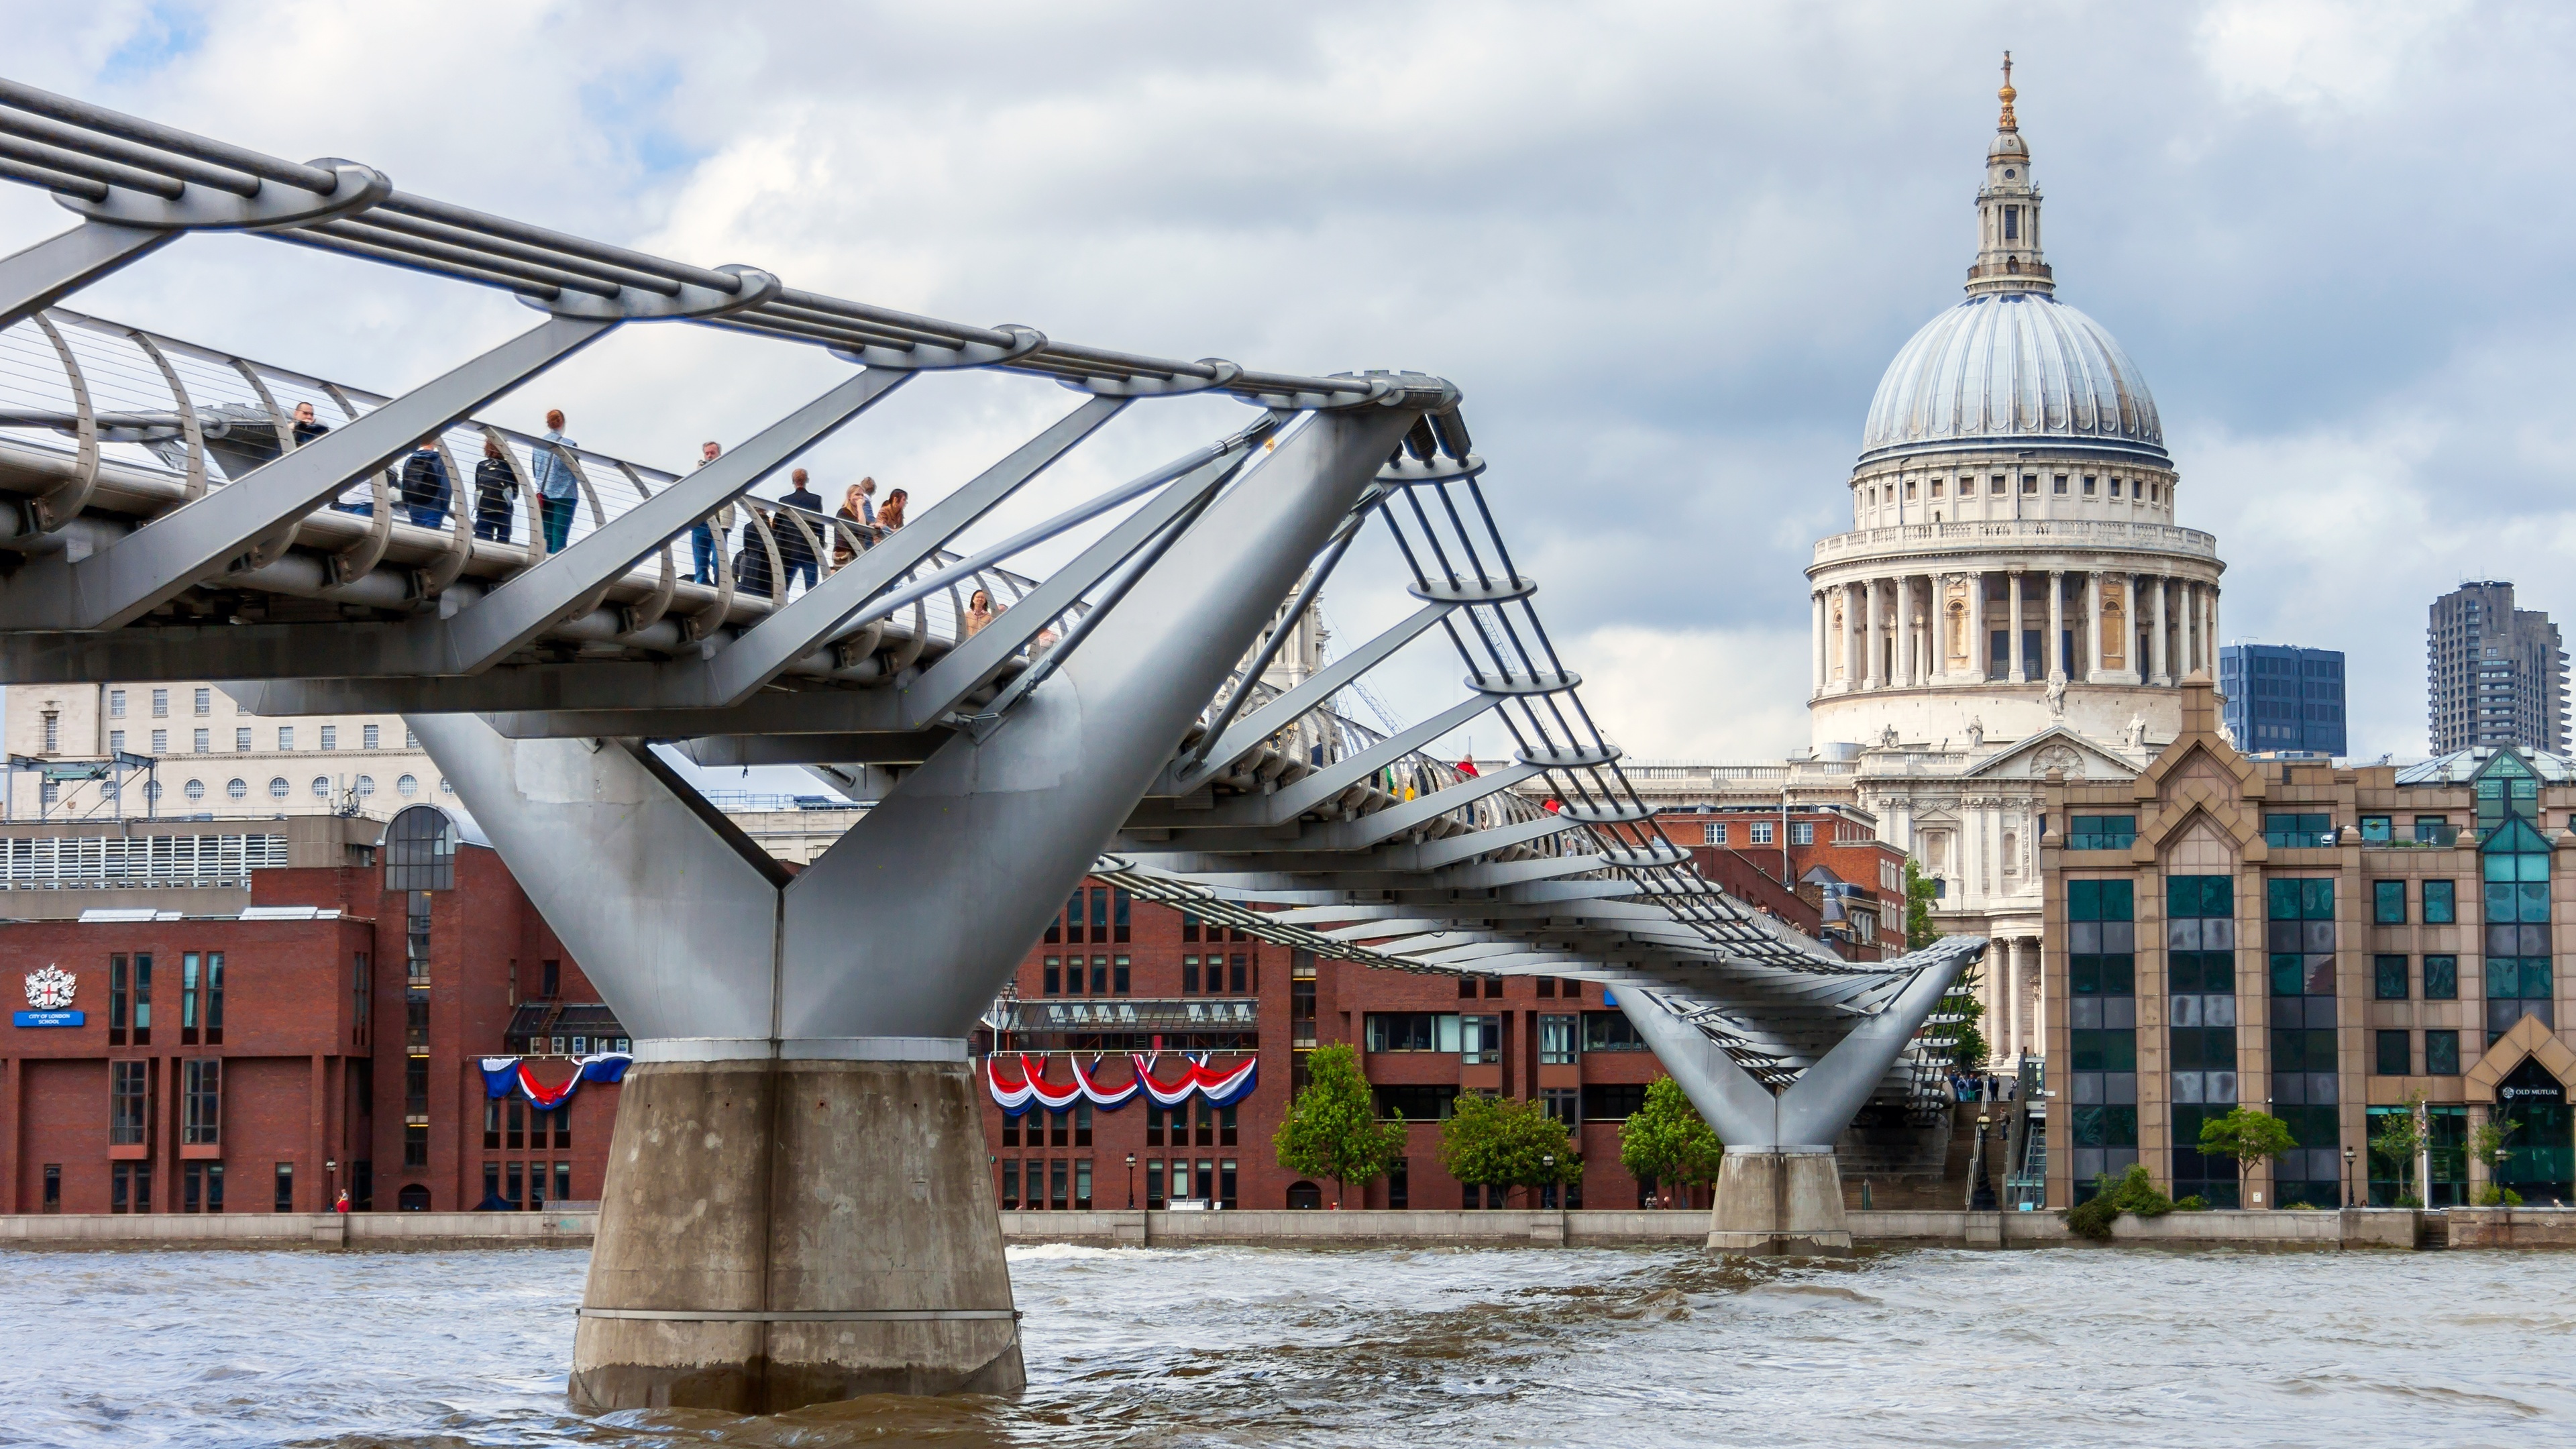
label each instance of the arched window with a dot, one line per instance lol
(414, 1198)
(445, 788)
(195, 790)
(420, 850)
(1305, 1195)
(321, 787)
(236, 789)
(407, 786)
(278, 788)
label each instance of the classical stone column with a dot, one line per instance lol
(2053, 648)
(1909, 650)
(1873, 677)
(2191, 659)
(2164, 585)
(1980, 655)
(2210, 621)
(1816, 668)
(2020, 666)
(2092, 624)
(2012, 996)
(1851, 637)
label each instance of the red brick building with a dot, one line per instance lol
(311, 1028)
(1116, 977)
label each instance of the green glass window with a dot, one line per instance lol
(2388, 902)
(2394, 1054)
(2298, 831)
(2388, 978)
(2515, 861)
(2375, 829)
(2441, 1053)
(2441, 978)
(2101, 832)
(2102, 1022)
(2299, 938)
(2441, 907)
(2506, 789)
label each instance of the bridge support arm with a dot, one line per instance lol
(61, 264)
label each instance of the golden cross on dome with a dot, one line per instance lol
(2006, 95)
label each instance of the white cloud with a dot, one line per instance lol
(2319, 55)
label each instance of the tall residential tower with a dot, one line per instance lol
(2495, 674)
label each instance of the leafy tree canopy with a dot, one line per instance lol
(1501, 1142)
(1332, 1129)
(1666, 1140)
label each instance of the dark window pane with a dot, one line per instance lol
(2388, 902)
(2390, 974)
(2440, 904)
(2441, 978)
(2394, 1053)
(2442, 1053)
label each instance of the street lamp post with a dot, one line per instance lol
(330, 1183)
(1981, 1199)
(1548, 1160)
(2347, 1177)
(1131, 1181)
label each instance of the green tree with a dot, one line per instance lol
(1506, 1143)
(1332, 1130)
(2400, 1138)
(2487, 1145)
(2134, 1193)
(1919, 931)
(1666, 1141)
(2248, 1134)
(1967, 1048)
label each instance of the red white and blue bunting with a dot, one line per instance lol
(504, 1075)
(1219, 1088)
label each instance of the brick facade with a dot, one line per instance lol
(312, 1079)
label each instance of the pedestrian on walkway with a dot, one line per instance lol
(859, 513)
(496, 492)
(795, 552)
(557, 486)
(980, 612)
(426, 492)
(751, 572)
(706, 547)
(890, 517)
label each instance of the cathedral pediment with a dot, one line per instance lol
(2054, 748)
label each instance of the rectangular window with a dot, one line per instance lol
(53, 1187)
(1051, 976)
(1082, 1124)
(2299, 929)
(1565, 1104)
(415, 1144)
(53, 732)
(1010, 1177)
(1480, 1040)
(2441, 1053)
(284, 1198)
(1416, 1103)
(1556, 1041)
(2059, 485)
(286, 737)
(188, 967)
(2101, 832)
(367, 736)
(1612, 1101)
(2435, 830)
(1058, 1196)
(1010, 1131)
(2441, 978)
(202, 1185)
(204, 1082)
(1802, 832)
(2101, 947)
(1154, 1184)
(1121, 974)
(1118, 923)
(1234, 974)
(2441, 907)
(330, 737)
(1761, 832)
(1411, 1031)
(143, 998)
(1189, 926)
(2012, 223)
(2388, 978)
(1713, 833)
(116, 742)
(2088, 487)
(1082, 1185)
(2376, 829)
(2394, 1055)
(116, 704)
(130, 1188)
(241, 740)
(2298, 831)
(492, 1124)
(515, 1138)
(2388, 902)
(160, 704)
(517, 1192)
(1610, 1031)
(1099, 913)
(116, 998)
(128, 1111)
(1099, 975)
(160, 742)
(200, 744)
(205, 700)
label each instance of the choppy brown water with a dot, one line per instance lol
(1243, 1346)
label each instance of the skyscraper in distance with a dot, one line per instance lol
(2283, 697)
(2495, 674)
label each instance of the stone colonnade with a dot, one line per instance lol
(2016, 1023)
(1892, 632)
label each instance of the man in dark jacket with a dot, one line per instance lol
(425, 489)
(793, 550)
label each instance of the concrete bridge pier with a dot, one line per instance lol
(798, 1206)
(1779, 1192)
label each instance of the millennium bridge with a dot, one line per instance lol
(798, 1208)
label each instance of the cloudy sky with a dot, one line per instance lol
(1665, 249)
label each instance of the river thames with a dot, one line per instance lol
(1248, 1346)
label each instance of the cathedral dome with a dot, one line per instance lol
(2008, 367)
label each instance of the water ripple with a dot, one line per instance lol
(1221, 1346)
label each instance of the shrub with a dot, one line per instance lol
(2494, 1196)
(2135, 1193)
(2192, 1204)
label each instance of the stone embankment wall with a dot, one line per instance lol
(2366, 1228)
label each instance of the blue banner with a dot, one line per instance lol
(49, 1018)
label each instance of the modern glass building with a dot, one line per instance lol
(2340, 948)
(2280, 697)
